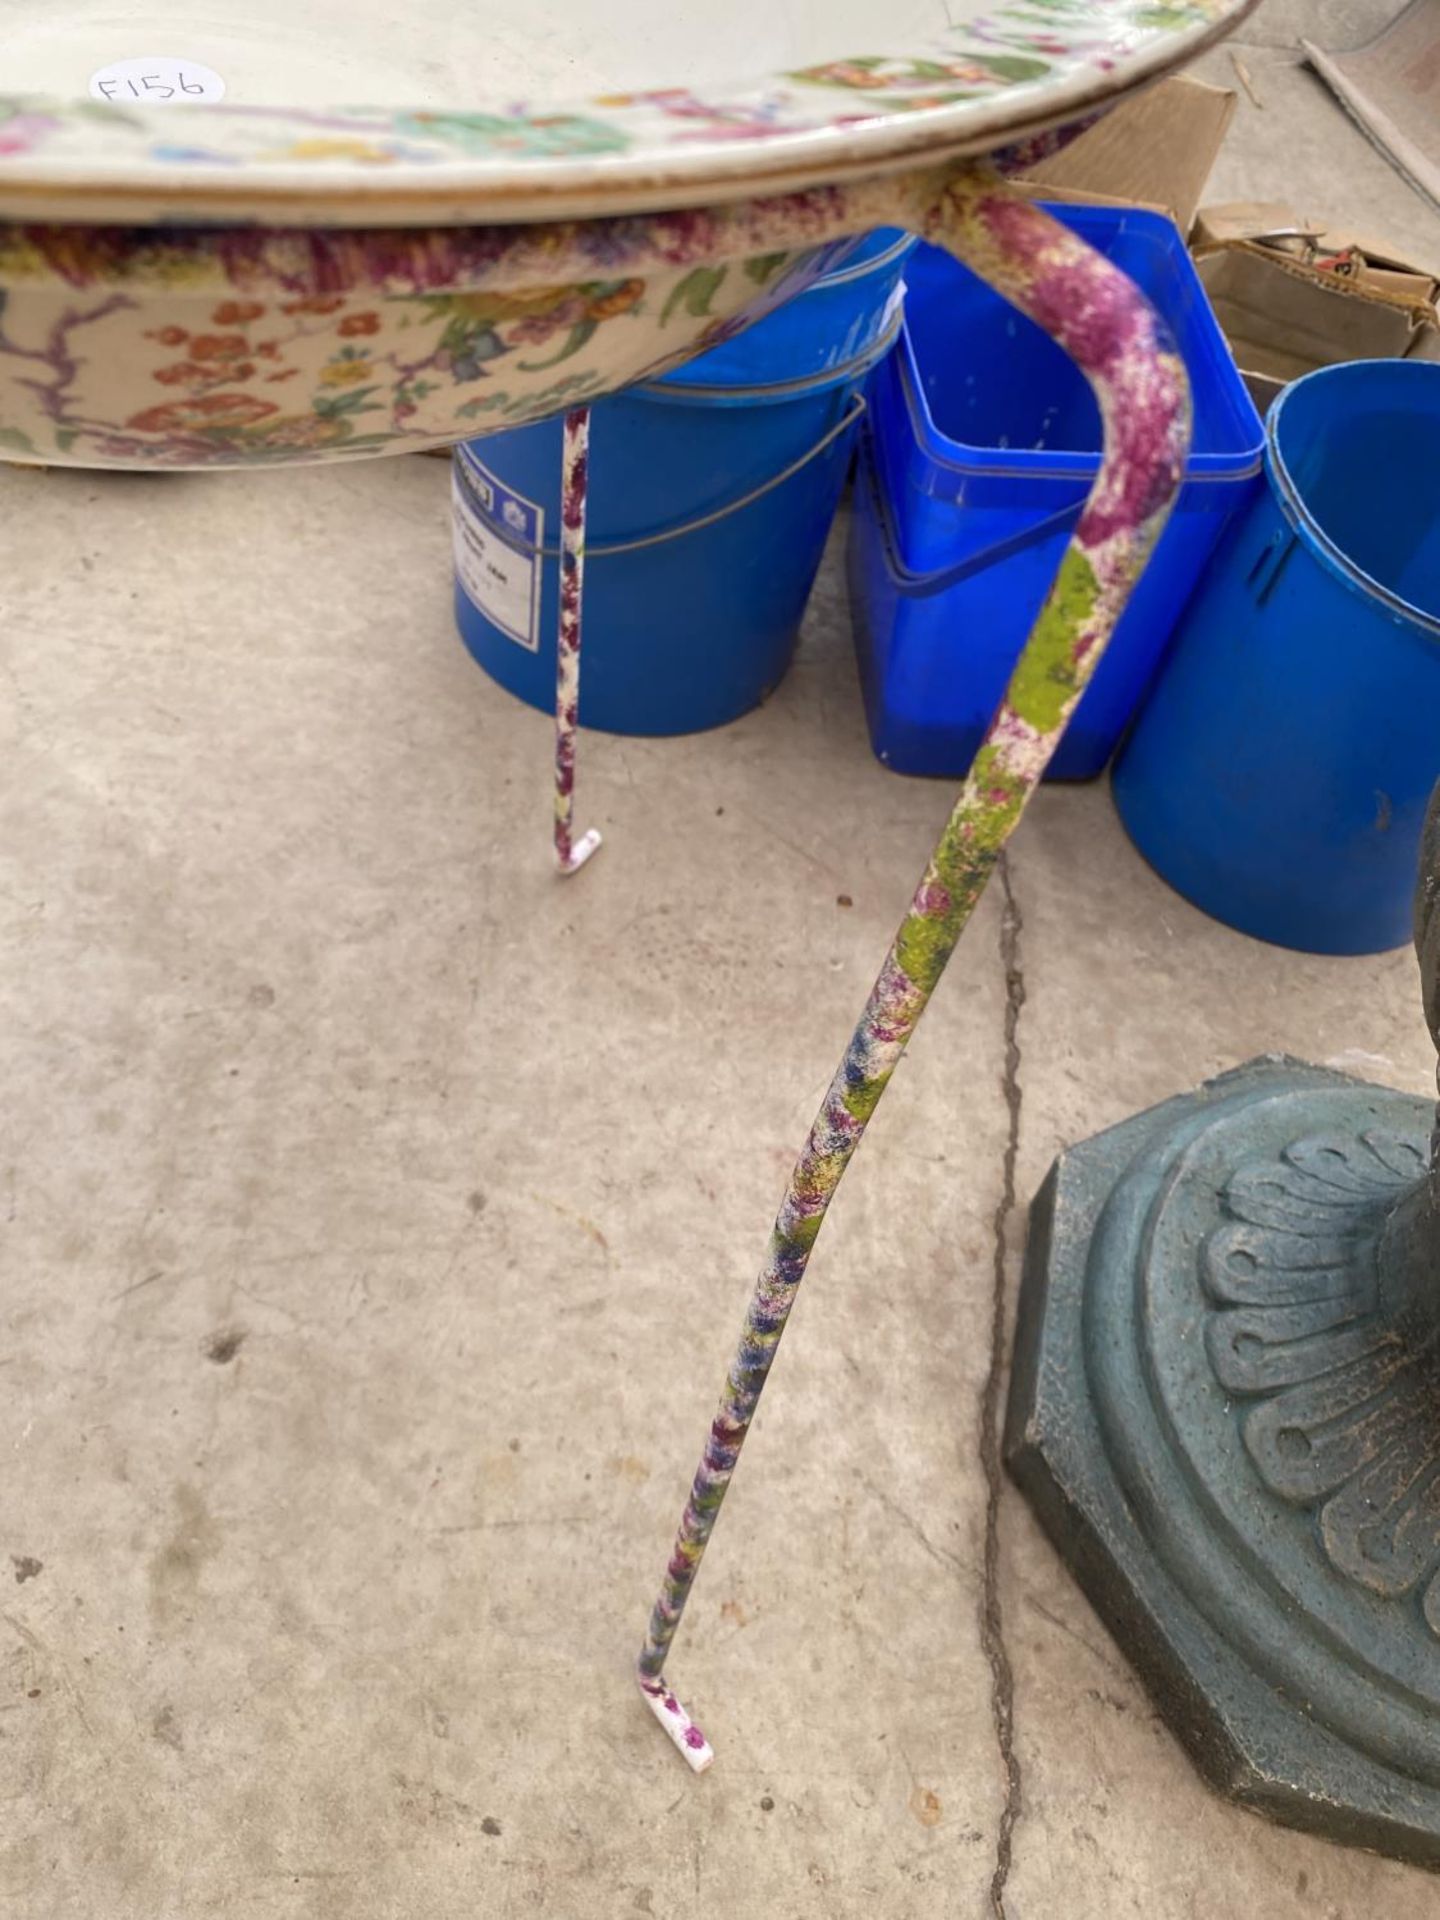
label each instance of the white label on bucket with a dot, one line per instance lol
(159, 80)
(500, 575)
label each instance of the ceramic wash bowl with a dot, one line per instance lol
(209, 259)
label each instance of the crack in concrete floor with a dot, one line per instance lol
(992, 1614)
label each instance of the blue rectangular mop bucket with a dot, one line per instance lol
(983, 441)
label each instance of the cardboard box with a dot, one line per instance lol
(1155, 150)
(1293, 295)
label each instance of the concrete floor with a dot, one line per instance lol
(377, 1212)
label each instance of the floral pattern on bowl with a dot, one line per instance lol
(100, 368)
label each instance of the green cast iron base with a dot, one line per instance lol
(1226, 1412)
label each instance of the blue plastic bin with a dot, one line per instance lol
(712, 490)
(838, 318)
(983, 442)
(1279, 775)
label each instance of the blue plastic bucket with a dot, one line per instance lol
(712, 491)
(838, 318)
(983, 442)
(1279, 775)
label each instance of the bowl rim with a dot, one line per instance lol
(1003, 72)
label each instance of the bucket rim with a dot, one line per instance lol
(467, 458)
(898, 249)
(1331, 555)
(672, 392)
(1035, 463)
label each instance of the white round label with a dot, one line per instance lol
(160, 81)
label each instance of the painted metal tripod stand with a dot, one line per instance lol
(1108, 329)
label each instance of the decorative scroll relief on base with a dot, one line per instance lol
(1346, 1413)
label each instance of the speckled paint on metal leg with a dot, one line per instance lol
(571, 854)
(1106, 326)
